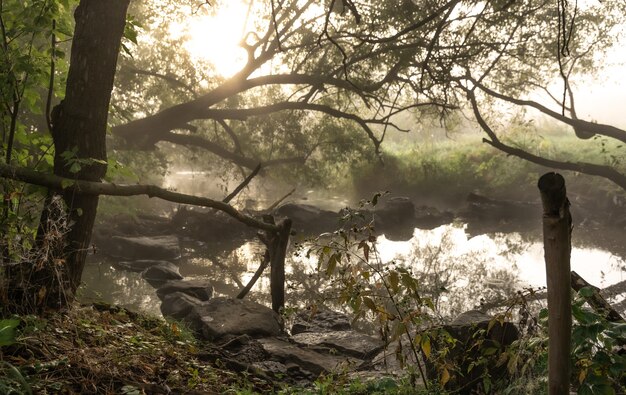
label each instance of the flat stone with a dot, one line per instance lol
(350, 343)
(320, 321)
(178, 305)
(312, 361)
(159, 274)
(224, 316)
(198, 288)
(138, 265)
(142, 247)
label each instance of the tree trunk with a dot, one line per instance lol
(557, 226)
(79, 131)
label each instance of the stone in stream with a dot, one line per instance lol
(309, 219)
(220, 317)
(315, 362)
(320, 321)
(158, 275)
(198, 288)
(178, 305)
(143, 247)
(137, 266)
(350, 342)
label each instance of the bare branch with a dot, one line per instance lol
(104, 188)
(581, 167)
(588, 127)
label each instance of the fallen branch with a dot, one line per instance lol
(596, 301)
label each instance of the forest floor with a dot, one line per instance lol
(104, 349)
(109, 350)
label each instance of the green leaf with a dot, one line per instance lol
(75, 168)
(332, 263)
(586, 292)
(369, 303)
(66, 183)
(7, 331)
(425, 345)
(394, 281)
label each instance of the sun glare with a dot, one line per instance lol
(215, 39)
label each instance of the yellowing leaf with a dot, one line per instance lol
(582, 376)
(426, 346)
(369, 303)
(445, 376)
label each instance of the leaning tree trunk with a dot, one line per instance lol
(79, 131)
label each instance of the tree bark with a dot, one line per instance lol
(557, 226)
(79, 130)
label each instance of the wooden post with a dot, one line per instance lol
(557, 226)
(277, 276)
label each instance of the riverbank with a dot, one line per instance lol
(104, 349)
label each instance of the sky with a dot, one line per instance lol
(603, 99)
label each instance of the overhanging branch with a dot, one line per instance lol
(586, 126)
(104, 188)
(581, 167)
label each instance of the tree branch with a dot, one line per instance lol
(581, 167)
(197, 141)
(588, 127)
(104, 188)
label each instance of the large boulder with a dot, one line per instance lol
(209, 225)
(198, 288)
(320, 321)
(158, 275)
(351, 343)
(309, 219)
(143, 247)
(220, 317)
(178, 305)
(315, 362)
(396, 218)
(137, 266)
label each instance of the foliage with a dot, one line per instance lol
(598, 368)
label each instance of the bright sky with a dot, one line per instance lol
(215, 39)
(603, 99)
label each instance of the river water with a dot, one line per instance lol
(465, 268)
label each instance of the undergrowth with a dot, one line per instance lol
(105, 349)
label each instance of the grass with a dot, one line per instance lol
(453, 168)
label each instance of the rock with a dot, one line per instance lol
(431, 218)
(158, 275)
(288, 353)
(224, 316)
(197, 288)
(138, 248)
(178, 305)
(309, 219)
(396, 218)
(211, 226)
(320, 321)
(350, 342)
(137, 266)
(396, 209)
(470, 330)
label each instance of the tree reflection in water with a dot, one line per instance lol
(455, 270)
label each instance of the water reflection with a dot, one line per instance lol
(457, 270)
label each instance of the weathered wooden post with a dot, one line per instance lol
(557, 226)
(277, 274)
